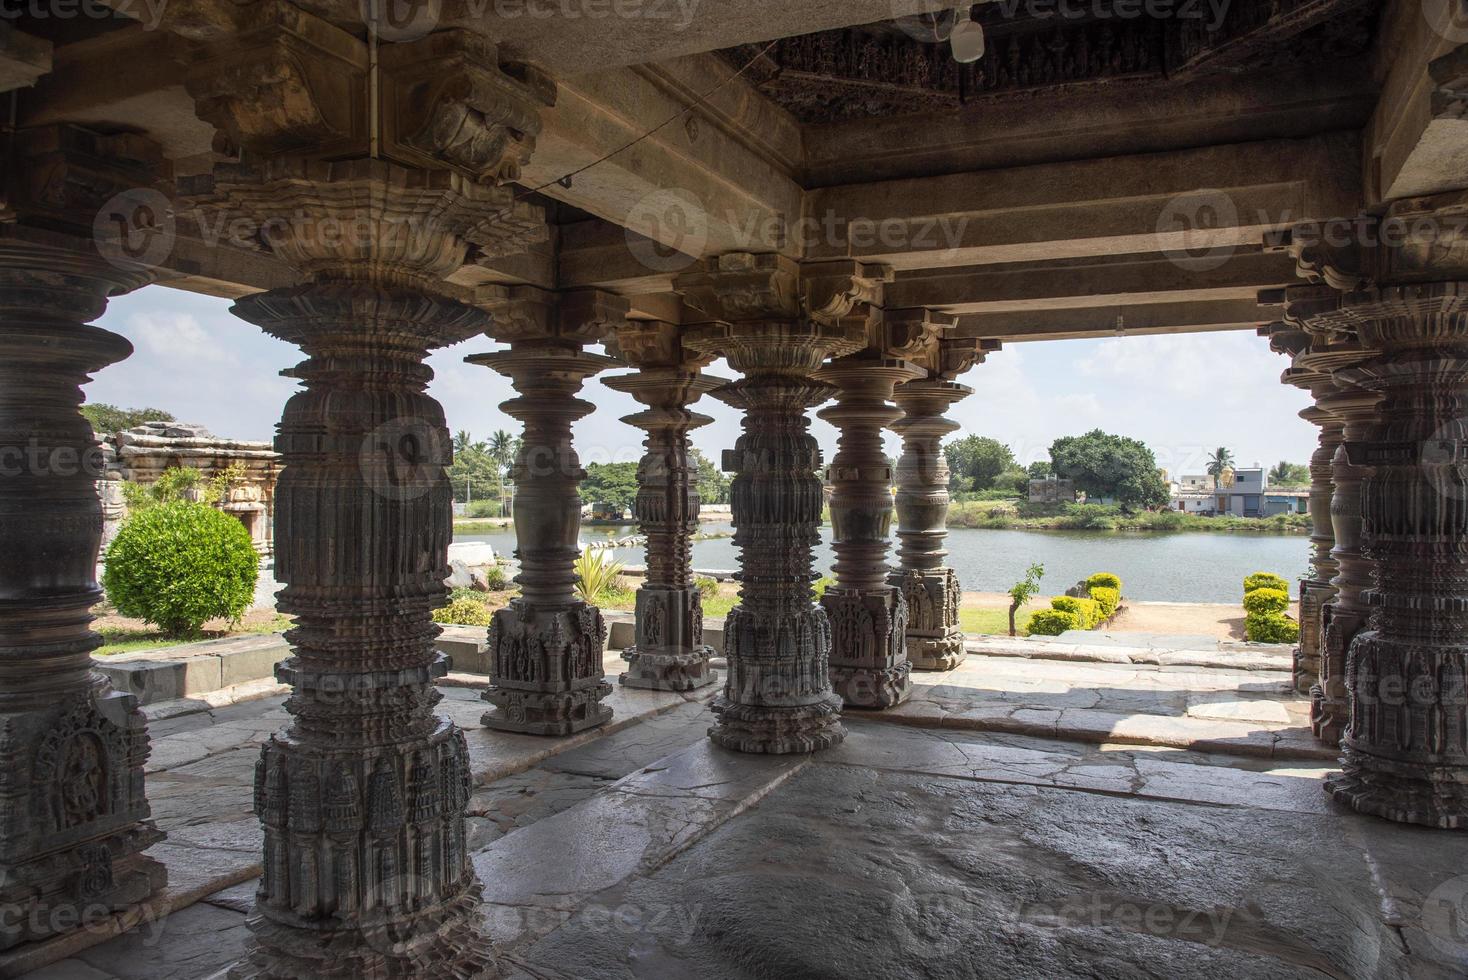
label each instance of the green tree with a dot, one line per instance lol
(473, 474)
(1289, 474)
(107, 419)
(503, 448)
(1106, 465)
(1023, 591)
(1040, 470)
(713, 483)
(611, 483)
(1222, 459)
(975, 462)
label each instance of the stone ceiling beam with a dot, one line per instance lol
(1141, 319)
(1088, 283)
(1107, 206)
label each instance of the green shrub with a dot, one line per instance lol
(708, 587)
(1086, 611)
(1052, 622)
(463, 611)
(1265, 580)
(484, 508)
(1271, 628)
(178, 564)
(1104, 580)
(1266, 601)
(822, 584)
(496, 579)
(597, 572)
(1107, 598)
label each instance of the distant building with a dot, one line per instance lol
(1052, 490)
(1286, 502)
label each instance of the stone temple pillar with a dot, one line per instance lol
(73, 814)
(869, 666)
(1406, 744)
(934, 640)
(778, 695)
(362, 796)
(546, 645)
(669, 654)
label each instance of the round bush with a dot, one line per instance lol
(463, 611)
(1104, 580)
(1271, 628)
(1086, 611)
(708, 586)
(1267, 601)
(1265, 580)
(179, 564)
(1052, 622)
(1107, 598)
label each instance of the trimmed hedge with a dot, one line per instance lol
(1104, 580)
(1053, 622)
(1108, 598)
(1271, 628)
(177, 565)
(463, 611)
(1265, 601)
(1086, 611)
(1265, 580)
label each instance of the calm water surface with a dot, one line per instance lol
(1184, 567)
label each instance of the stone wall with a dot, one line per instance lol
(143, 453)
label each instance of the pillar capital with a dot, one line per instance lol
(1408, 241)
(739, 287)
(655, 345)
(571, 318)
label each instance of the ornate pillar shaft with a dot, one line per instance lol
(669, 654)
(778, 696)
(73, 813)
(869, 667)
(546, 645)
(934, 639)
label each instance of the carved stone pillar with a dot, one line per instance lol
(778, 696)
(934, 640)
(362, 796)
(73, 813)
(868, 615)
(669, 654)
(1406, 744)
(546, 645)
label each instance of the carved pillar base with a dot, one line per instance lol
(934, 639)
(868, 628)
(548, 678)
(73, 813)
(653, 663)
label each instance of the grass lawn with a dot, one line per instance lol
(129, 639)
(992, 621)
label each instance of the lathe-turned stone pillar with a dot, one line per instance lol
(362, 796)
(669, 654)
(778, 695)
(934, 639)
(546, 674)
(1406, 744)
(869, 667)
(73, 812)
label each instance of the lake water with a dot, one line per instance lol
(1182, 567)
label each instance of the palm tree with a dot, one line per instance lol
(462, 441)
(503, 449)
(1222, 459)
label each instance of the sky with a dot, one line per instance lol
(1182, 395)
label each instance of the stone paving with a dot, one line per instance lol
(942, 845)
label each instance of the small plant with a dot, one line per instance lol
(1266, 597)
(177, 565)
(1104, 580)
(464, 611)
(708, 587)
(1052, 622)
(1023, 591)
(822, 584)
(1266, 601)
(597, 572)
(1086, 611)
(1271, 628)
(1107, 598)
(495, 579)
